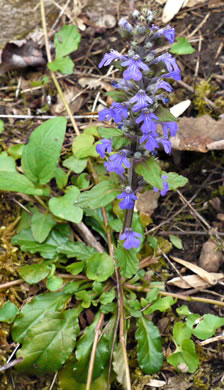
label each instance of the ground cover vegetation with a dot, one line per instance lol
(101, 302)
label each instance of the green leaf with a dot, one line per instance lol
(61, 178)
(207, 326)
(181, 47)
(8, 312)
(107, 297)
(78, 250)
(75, 268)
(151, 172)
(74, 164)
(2, 126)
(41, 225)
(107, 132)
(48, 249)
(32, 313)
(186, 359)
(64, 206)
(41, 154)
(67, 40)
(56, 333)
(181, 332)
(100, 267)
(99, 196)
(183, 311)
(127, 261)
(67, 380)
(119, 366)
(82, 182)
(165, 115)
(162, 304)
(118, 96)
(63, 64)
(91, 130)
(83, 351)
(174, 180)
(176, 241)
(149, 349)
(11, 180)
(34, 273)
(153, 242)
(54, 283)
(16, 151)
(83, 146)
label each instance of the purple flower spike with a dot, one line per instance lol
(164, 85)
(173, 75)
(117, 111)
(128, 197)
(148, 123)
(131, 239)
(151, 143)
(105, 145)
(166, 144)
(133, 72)
(110, 57)
(172, 126)
(141, 99)
(116, 162)
(169, 61)
(168, 32)
(165, 186)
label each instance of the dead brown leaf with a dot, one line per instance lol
(69, 92)
(199, 134)
(193, 281)
(206, 276)
(147, 202)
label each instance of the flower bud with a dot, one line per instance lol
(136, 14)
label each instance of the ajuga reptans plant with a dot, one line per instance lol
(139, 111)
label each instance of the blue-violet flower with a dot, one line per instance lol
(105, 145)
(131, 238)
(128, 199)
(116, 162)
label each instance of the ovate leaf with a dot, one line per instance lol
(63, 64)
(151, 172)
(127, 261)
(32, 313)
(181, 47)
(107, 132)
(32, 274)
(54, 283)
(83, 146)
(40, 156)
(186, 359)
(176, 241)
(99, 267)
(207, 326)
(67, 40)
(64, 206)
(50, 343)
(11, 180)
(8, 312)
(99, 196)
(74, 164)
(41, 225)
(175, 181)
(149, 349)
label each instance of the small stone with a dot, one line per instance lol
(210, 259)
